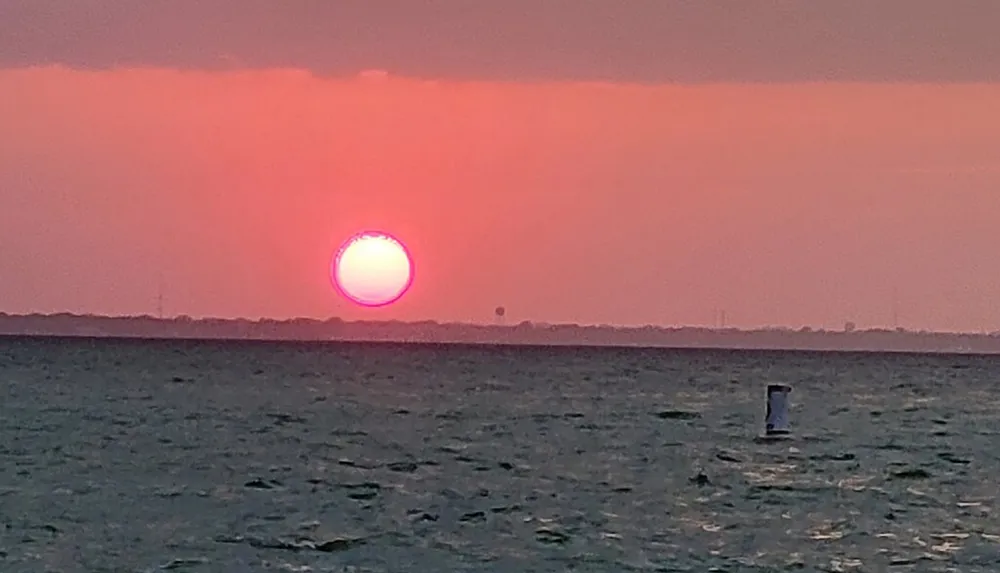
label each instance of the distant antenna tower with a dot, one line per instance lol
(719, 320)
(895, 307)
(500, 314)
(159, 298)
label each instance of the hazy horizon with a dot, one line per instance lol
(790, 163)
(90, 320)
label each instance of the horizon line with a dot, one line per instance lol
(803, 329)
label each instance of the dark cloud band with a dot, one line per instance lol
(614, 40)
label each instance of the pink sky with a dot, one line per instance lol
(783, 203)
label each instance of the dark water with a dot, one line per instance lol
(145, 456)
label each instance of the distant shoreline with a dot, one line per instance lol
(524, 333)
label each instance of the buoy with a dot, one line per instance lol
(776, 416)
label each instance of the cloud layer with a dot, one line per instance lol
(599, 40)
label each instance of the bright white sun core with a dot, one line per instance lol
(373, 269)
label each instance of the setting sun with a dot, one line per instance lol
(373, 269)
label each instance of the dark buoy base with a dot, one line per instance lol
(774, 436)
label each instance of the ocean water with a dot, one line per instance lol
(238, 456)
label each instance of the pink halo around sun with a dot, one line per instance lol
(372, 269)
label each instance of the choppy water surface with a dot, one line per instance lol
(142, 456)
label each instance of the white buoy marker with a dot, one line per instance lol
(776, 416)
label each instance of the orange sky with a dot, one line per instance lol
(795, 204)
